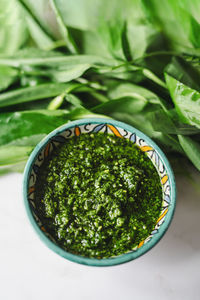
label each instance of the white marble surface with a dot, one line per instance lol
(29, 270)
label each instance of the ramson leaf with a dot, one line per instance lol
(191, 149)
(12, 28)
(186, 101)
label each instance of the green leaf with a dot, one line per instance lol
(18, 167)
(194, 32)
(120, 30)
(175, 19)
(52, 64)
(84, 14)
(41, 11)
(150, 75)
(18, 150)
(125, 44)
(130, 110)
(153, 64)
(192, 7)
(20, 132)
(13, 32)
(123, 105)
(39, 33)
(111, 34)
(185, 72)
(132, 90)
(169, 123)
(90, 42)
(7, 76)
(57, 101)
(27, 141)
(63, 29)
(127, 98)
(33, 57)
(13, 154)
(186, 101)
(17, 125)
(74, 100)
(32, 53)
(171, 18)
(68, 73)
(192, 149)
(63, 73)
(98, 96)
(34, 123)
(125, 72)
(143, 38)
(32, 93)
(169, 143)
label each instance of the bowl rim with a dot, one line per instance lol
(105, 261)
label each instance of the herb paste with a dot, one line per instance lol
(98, 195)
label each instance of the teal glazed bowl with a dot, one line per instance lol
(60, 135)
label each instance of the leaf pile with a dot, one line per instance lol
(137, 61)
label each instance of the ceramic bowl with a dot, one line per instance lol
(85, 126)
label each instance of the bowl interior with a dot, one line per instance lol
(60, 135)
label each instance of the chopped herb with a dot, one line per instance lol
(98, 195)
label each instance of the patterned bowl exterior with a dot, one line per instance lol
(122, 130)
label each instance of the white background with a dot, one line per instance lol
(29, 270)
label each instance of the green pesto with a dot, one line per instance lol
(98, 195)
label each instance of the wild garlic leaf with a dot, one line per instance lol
(168, 122)
(124, 105)
(15, 167)
(172, 18)
(121, 90)
(186, 101)
(32, 57)
(20, 124)
(28, 94)
(184, 71)
(84, 14)
(39, 33)
(13, 32)
(18, 149)
(68, 73)
(7, 76)
(14, 154)
(70, 43)
(191, 149)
